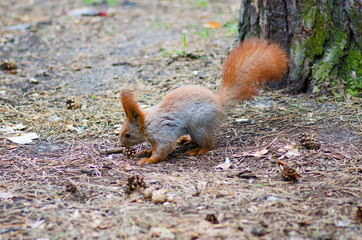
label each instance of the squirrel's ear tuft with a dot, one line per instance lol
(133, 112)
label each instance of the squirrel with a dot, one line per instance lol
(193, 113)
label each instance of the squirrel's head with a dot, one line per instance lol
(132, 131)
(130, 134)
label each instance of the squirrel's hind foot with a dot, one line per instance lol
(198, 151)
(184, 140)
(148, 161)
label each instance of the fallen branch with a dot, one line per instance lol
(111, 151)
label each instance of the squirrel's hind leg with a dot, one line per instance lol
(199, 150)
(159, 152)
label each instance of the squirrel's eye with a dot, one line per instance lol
(128, 135)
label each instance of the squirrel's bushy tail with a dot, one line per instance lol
(248, 66)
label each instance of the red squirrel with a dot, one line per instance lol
(193, 113)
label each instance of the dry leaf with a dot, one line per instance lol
(48, 207)
(7, 129)
(24, 139)
(212, 25)
(71, 128)
(11, 147)
(257, 154)
(286, 148)
(289, 151)
(292, 153)
(225, 165)
(281, 162)
(19, 126)
(6, 195)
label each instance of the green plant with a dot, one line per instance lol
(184, 41)
(96, 2)
(201, 3)
(159, 24)
(232, 27)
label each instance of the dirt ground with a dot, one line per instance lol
(61, 187)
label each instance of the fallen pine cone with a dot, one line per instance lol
(7, 65)
(289, 174)
(359, 213)
(130, 152)
(70, 187)
(72, 104)
(212, 218)
(133, 183)
(310, 141)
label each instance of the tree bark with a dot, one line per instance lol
(323, 40)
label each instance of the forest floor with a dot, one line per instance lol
(70, 70)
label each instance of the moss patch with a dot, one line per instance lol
(331, 59)
(351, 70)
(314, 18)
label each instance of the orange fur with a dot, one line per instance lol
(248, 66)
(132, 109)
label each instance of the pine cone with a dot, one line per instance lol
(72, 104)
(70, 187)
(289, 174)
(359, 213)
(310, 141)
(212, 218)
(130, 152)
(133, 183)
(7, 65)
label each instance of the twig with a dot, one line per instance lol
(272, 142)
(111, 151)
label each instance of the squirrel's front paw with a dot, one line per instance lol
(145, 153)
(148, 161)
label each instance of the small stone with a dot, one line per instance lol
(33, 80)
(259, 231)
(147, 193)
(170, 199)
(242, 120)
(159, 196)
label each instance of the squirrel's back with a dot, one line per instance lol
(184, 110)
(248, 66)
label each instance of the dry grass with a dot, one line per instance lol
(61, 187)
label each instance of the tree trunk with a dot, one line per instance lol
(323, 40)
